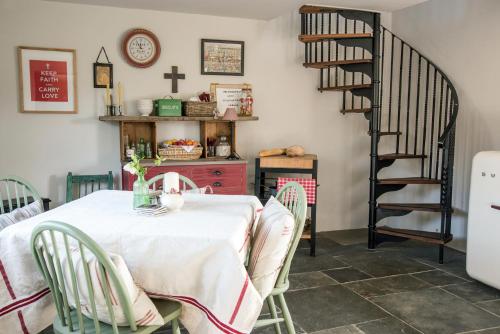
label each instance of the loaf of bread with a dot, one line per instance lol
(271, 152)
(295, 151)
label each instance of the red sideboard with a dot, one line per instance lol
(227, 177)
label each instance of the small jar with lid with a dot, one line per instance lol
(223, 148)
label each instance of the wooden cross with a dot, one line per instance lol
(174, 76)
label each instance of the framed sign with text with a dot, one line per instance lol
(228, 96)
(47, 80)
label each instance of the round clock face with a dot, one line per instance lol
(141, 48)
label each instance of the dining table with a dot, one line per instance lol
(195, 256)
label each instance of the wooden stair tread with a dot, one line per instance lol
(409, 180)
(388, 133)
(393, 156)
(347, 87)
(322, 37)
(431, 237)
(326, 64)
(311, 9)
(346, 111)
(428, 207)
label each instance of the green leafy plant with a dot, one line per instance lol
(134, 167)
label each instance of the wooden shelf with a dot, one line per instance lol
(145, 119)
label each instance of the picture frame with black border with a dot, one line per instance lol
(222, 57)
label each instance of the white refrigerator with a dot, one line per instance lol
(483, 228)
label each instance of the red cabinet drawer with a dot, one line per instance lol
(217, 170)
(229, 179)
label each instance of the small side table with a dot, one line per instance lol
(308, 164)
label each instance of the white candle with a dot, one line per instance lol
(108, 95)
(120, 94)
(171, 181)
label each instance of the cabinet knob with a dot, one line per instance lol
(217, 184)
(217, 172)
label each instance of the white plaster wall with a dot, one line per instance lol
(43, 148)
(461, 36)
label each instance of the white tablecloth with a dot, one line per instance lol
(195, 256)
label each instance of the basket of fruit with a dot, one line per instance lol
(180, 149)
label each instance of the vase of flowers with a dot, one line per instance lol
(140, 187)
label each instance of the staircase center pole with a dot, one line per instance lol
(374, 126)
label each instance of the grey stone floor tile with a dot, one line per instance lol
(329, 307)
(309, 280)
(474, 291)
(435, 311)
(351, 329)
(384, 263)
(386, 285)
(270, 329)
(304, 263)
(493, 306)
(439, 278)
(347, 237)
(389, 325)
(323, 245)
(349, 274)
(455, 266)
(487, 331)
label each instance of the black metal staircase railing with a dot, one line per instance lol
(404, 95)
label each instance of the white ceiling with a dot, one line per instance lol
(254, 9)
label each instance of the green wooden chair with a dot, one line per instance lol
(184, 182)
(293, 196)
(81, 184)
(18, 192)
(71, 320)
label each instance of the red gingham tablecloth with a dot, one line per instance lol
(308, 184)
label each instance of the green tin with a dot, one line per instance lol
(168, 107)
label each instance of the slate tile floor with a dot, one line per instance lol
(396, 288)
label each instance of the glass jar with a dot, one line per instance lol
(141, 192)
(223, 148)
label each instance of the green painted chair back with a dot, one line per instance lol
(81, 185)
(15, 192)
(49, 241)
(293, 196)
(184, 182)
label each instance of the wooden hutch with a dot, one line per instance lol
(224, 176)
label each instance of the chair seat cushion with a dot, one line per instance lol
(169, 310)
(271, 243)
(20, 214)
(145, 312)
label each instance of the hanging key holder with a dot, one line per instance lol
(103, 72)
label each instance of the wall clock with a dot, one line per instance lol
(141, 48)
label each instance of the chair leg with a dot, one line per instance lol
(274, 313)
(286, 314)
(175, 327)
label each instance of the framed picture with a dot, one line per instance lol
(103, 75)
(47, 80)
(228, 96)
(219, 57)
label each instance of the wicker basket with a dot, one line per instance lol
(199, 109)
(179, 153)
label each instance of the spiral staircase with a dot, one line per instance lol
(407, 99)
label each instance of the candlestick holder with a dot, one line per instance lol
(119, 110)
(110, 110)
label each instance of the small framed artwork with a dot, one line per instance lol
(47, 80)
(220, 57)
(103, 75)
